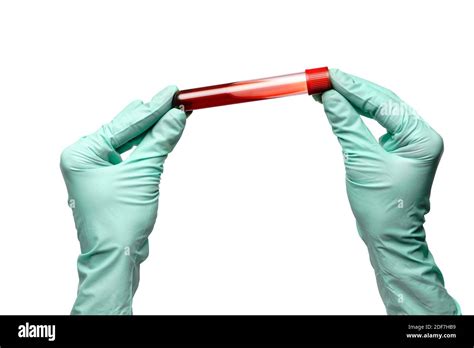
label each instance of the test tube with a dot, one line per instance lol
(311, 81)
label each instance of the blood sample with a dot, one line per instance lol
(311, 81)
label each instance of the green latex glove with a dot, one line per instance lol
(388, 183)
(115, 202)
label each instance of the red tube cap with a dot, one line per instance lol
(317, 80)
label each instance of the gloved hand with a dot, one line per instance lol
(115, 202)
(388, 184)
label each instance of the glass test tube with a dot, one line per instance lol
(311, 81)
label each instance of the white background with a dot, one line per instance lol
(253, 215)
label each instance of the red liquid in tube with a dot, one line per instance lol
(312, 81)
